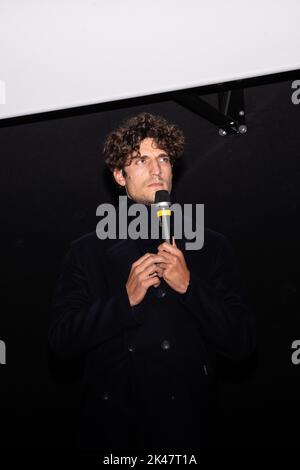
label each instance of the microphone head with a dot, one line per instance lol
(162, 196)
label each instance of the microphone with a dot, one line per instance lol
(164, 213)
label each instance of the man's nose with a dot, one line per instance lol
(155, 168)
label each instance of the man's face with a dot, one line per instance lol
(146, 174)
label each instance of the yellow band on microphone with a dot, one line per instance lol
(163, 212)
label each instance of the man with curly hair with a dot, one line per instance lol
(131, 151)
(149, 317)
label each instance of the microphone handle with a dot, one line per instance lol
(166, 227)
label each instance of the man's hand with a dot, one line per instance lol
(175, 270)
(143, 274)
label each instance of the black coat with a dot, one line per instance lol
(149, 369)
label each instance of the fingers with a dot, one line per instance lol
(167, 247)
(147, 279)
(167, 258)
(160, 270)
(153, 269)
(141, 260)
(145, 272)
(151, 281)
(148, 261)
(148, 268)
(163, 266)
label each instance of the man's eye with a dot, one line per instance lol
(165, 159)
(140, 160)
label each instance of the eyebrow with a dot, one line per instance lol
(164, 154)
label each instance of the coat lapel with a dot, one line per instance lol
(119, 256)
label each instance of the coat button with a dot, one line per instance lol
(131, 347)
(165, 345)
(160, 293)
(105, 396)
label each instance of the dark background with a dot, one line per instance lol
(52, 180)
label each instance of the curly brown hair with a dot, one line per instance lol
(121, 144)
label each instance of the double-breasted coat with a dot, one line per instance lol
(149, 369)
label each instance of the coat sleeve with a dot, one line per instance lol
(79, 323)
(219, 307)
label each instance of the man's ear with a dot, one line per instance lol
(118, 175)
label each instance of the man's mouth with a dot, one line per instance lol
(155, 184)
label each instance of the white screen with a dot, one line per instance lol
(57, 54)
